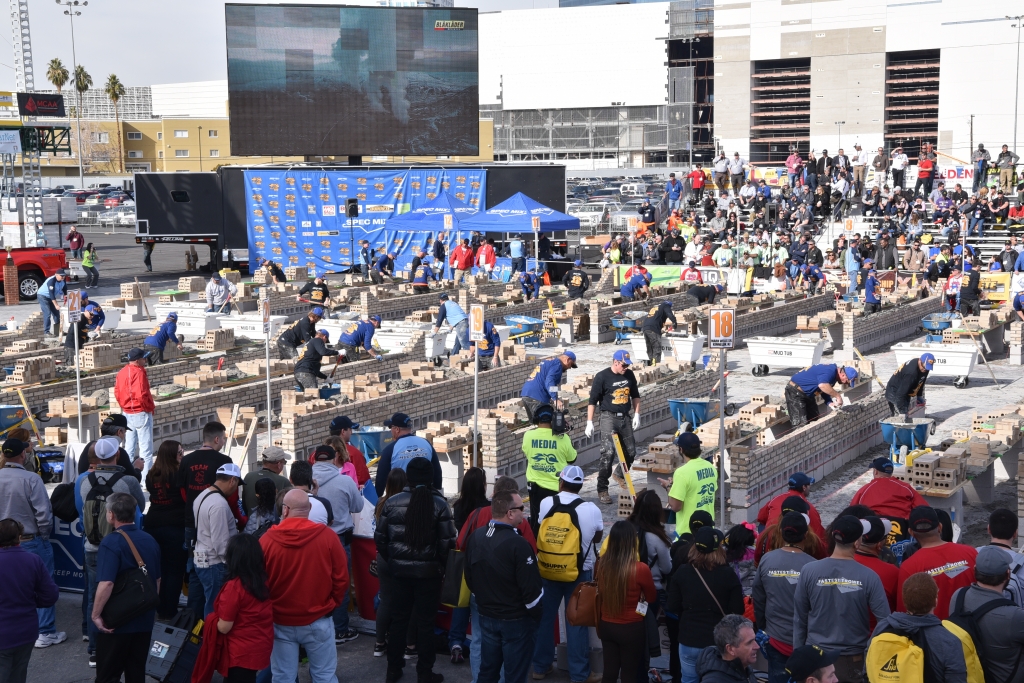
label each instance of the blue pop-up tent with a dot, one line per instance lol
(516, 214)
(430, 216)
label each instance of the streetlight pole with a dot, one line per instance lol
(71, 14)
(840, 124)
(1016, 90)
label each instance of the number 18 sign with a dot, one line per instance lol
(722, 329)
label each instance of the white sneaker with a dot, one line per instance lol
(48, 639)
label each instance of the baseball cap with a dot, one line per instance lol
(577, 263)
(84, 296)
(106, 447)
(324, 452)
(399, 420)
(720, 288)
(572, 474)
(342, 422)
(795, 504)
(230, 469)
(691, 264)
(375, 319)
(118, 420)
(793, 526)
(799, 480)
(847, 529)
(928, 360)
(807, 659)
(318, 312)
(327, 335)
(274, 454)
(136, 354)
(708, 539)
(689, 442)
(851, 374)
(571, 356)
(215, 276)
(882, 464)
(991, 560)
(443, 296)
(875, 529)
(172, 316)
(923, 518)
(700, 518)
(622, 356)
(15, 447)
(61, 271)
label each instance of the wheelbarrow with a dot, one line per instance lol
(626, 323)
(934, 324)
(904, 437)
(691, 413)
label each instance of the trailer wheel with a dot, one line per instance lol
(961, 382)
(756, 371)
(730, 409)
(931, 430)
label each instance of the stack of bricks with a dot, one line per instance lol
(23, 345)
(1015, 340)
(258, 366)
(880, 329)
(232, 276)
(191, 283)
(923, 471)
(421, 373)
(246, 415)
(303, 402)
(296, 273)
(625, 506)
(710, 431)
(446, 436)
(370, 385)
(980, 454)
(217, 340)
(30, 370)
(134, 290)
(204, 378)
(662, 456)
(579, 385)
(761, 412)
(96, 356)
(56, 436)
(68, 406)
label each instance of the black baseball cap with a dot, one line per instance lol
(689, 442)
(14, 447)
(342, 422)
(699, 519)
(324, 452)
(923, 518)
(795, 504)
(399, 420)
(118, 420)
(878, 529)
(793, 526)
(847, 529)
(136, 354)
(807, 659)
(708, 539)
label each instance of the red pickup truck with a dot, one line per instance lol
(34, 264)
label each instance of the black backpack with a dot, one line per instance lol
(62, 500)
(94, 507)
(968, 621)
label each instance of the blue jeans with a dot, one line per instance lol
(341, 611)
(317, 639)
(223, 308)
(674, 204)
(76, 253)
(139, 439)
(792, 179)
(688, 663)
(578, 645)
(776, 665)
(212, 578)
(41, 548)
(461, 336)
(90, 565)
(457, 630)
(476, 643)
(979, 222)
(49, 312)
(506, 643)
(196, 599)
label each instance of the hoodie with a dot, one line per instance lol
(945, 662)
(307, 571)
(341, 491)
(711, 668)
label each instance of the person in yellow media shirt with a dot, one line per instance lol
(692, 486)
(547, 454)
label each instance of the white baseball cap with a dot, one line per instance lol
(572, 474)
(230, 469)
(106, 447)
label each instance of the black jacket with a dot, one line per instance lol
(439, 251)
(704, 294)
(907, 382)
(711, 668)
(971, 291)
(313, 357)
(578, 282)
(299, 333)
(646, 212)
(655, 320)
(395, 558)
(886, 258)
(814, 257)
(698, 612)
(319, 293)
(501, 571)
(666, 249)
(278, 274)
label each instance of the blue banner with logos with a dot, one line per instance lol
(296, 217)
(68, 554)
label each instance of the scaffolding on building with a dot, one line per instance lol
(912, 100)
(780, 110)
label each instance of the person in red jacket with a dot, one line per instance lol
(868, 548)
(887, 496)
(950, 564)
(697, 180)
(461, 261)
(799, 485)
(131, 389)
(486, 258)
(307, 573)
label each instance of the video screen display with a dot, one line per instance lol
(328, 80)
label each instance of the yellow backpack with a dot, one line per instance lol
(560, 542)
(894, 658)
(975, 674)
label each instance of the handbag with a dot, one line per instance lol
(584, 606)
(134, 592)
(454, 591)
(709, 591)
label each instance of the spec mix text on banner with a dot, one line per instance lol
(297, 217)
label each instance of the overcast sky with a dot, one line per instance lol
(146, 42)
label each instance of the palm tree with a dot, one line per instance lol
(57, 74)
(83, 81)
(115, 91)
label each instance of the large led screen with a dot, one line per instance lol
(327, 80)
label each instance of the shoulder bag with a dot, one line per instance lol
(134, 592)
(709, 591)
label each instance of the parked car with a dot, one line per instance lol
(115, 199)
(593, 214)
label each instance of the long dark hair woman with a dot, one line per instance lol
(626, 588)
(413, 537)
(701, 593)
(264, 515)
(395, 484)
(165, 521)
(472, 497)
(245, 612)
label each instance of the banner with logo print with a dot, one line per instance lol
(296, 217)
(68, 554)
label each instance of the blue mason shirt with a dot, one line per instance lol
(636, 282)
(872, 295)
(164, 333)
(359, 334)
(542, 384)
(809, 378)
(491, 340)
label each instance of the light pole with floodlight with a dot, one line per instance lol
(71, 13)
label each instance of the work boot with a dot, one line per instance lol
(604, 497)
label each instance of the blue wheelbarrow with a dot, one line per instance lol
(934, 324)
(904, 437)
(691, 413)
(627, 323)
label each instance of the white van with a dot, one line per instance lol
(633, 190)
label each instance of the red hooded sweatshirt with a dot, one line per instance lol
(307, 556)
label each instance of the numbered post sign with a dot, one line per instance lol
(722, 328)
(265, 311)
(74, 305)
(448, 219)
(476, 322)
(848, 225)
(536, 223)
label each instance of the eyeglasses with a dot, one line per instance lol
(520, 507)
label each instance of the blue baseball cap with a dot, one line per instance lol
(443, 297)
(882, 464)
(800, 480)
(868, 260)
(720, 288)
(327, 335)
(851, 374)
(571, 356)
(928, 360)
(318, 311)
(622, 356)
(84, 295)
(689, 442)
(400, 420)
(375, 319)
(577, 263)
(667, 303)
(172, 316)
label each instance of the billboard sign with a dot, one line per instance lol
(38, 104)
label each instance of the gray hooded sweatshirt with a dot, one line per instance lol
(341, 492)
